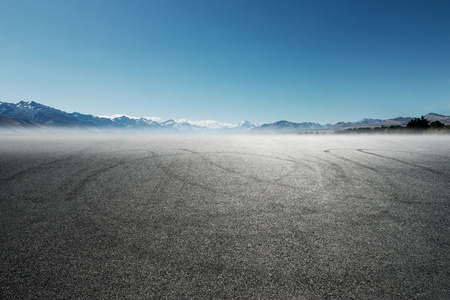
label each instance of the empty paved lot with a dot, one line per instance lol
(296, 217)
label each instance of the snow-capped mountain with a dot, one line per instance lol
(47, 115)
(33, 111)
(131, 122)
(207, 125)
(246, 125)
(181, 124)
(35, 115)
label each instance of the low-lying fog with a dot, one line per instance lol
(154, 216)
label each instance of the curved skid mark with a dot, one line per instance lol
(168, 171)
(337, 168)
(334, 149)
(293, 160)
(404, 151)
(298, 162)
(75, 191)
(349, 160)
(160, 185)
(387, 182)
(404, 162)
(51, 162)
(332, 165)
(37, 167)
(273, 182)
(241, 153)
(342, 175)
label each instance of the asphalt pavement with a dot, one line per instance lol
(220, 217)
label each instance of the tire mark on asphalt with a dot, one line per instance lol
(329, 151)
(291, 159)
(365, 151)
(37, 167)
(51, 162)
(241, 153)
(83, 182)
(338, 169)
(168, 171)
(159, 187)
(257, 179)
(341, 174)
(296, 163)
(301, 193)
(388, 183)
(404, 151)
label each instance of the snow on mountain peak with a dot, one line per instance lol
(246, 124)
(153, 119)
(209, 124)
(115, 116)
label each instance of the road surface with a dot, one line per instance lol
(250, 217)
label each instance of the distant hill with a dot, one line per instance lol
(435, 117)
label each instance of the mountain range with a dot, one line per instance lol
(27, 115)
(40, 115)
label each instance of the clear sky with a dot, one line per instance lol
(229, 60)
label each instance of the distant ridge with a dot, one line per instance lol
(288, 127)
(35, 115)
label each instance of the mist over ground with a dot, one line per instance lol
(284, 217)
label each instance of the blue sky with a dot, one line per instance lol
(229, 60)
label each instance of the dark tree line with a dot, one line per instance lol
(422, 123)
(418, 123)
(437, 124)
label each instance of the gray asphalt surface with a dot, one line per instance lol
(268, 217)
